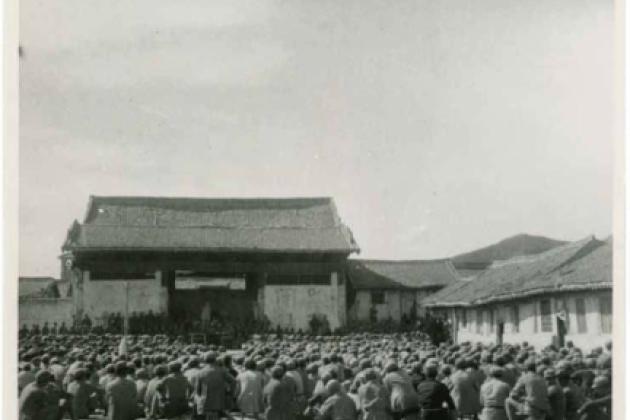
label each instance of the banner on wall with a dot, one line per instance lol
(187, 280)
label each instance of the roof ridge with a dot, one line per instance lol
(88, 225)
(201, 198)
(400, 261)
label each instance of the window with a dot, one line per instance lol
(516, 319)
(378, 298)
(545, 316)
(479, 322)
(580, 312)
(464, 318)
(491, 320)
(605, 313)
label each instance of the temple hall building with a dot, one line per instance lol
(282, 258)
(561, 295)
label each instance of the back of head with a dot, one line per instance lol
(431, 371)
(333, 387)
(121, 369)
(277, 372)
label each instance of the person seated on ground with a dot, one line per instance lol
(373, 398)
(599, 406)
(34, 402)
(434, 398)
(529, 395)
(338, 406)
(277, 397)
(557, 403)
(573, 395)
(121, 396)
(174, 392)
(492, 396)
(25, 377)
(403, 398)
(464, 390)
(81, 393)
(249, 390)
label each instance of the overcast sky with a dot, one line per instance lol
(437, 126)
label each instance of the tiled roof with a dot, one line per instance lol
(413, 274)
(585, 264)
(243, 224)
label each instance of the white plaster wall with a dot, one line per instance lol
(361, 307)
(38, 311)
(292, 306)
(396, 304)
(109, 296)
(530, 328)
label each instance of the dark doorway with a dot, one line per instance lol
(500, 329)
(562, 330)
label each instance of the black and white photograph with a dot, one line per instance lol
(316, 210)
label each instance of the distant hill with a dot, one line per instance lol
(514, 246)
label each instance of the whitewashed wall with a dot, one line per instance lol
(293, 306)
(109, 296)
(38, 311)
(529, 328)
(396, 304)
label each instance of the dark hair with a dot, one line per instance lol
(161, 371)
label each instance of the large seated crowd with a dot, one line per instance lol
(297, 377)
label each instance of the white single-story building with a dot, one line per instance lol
(382, 290)
(561, 295)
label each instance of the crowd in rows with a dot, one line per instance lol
(141, 323)
(351, 377)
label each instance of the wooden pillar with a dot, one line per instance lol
(261, 280)
(338, 297)
(162, 288)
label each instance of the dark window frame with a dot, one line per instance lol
(377, 297)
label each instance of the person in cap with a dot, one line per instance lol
(81, 393)
(464, 390)
(320, 393)
(493, 394)
(557, 403)
(434, 398)
(121, 397)
(529, 395)
(25, 377)
(151, 403)
(573, 396)
(338, 406)
(599, 407)
(33, 404)
(142, 381)
(57, 369)
(209, 388)
(192, 369)
(174, 392)
(249, 390)
(373, 398)
(402, 397)
(277, 397)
